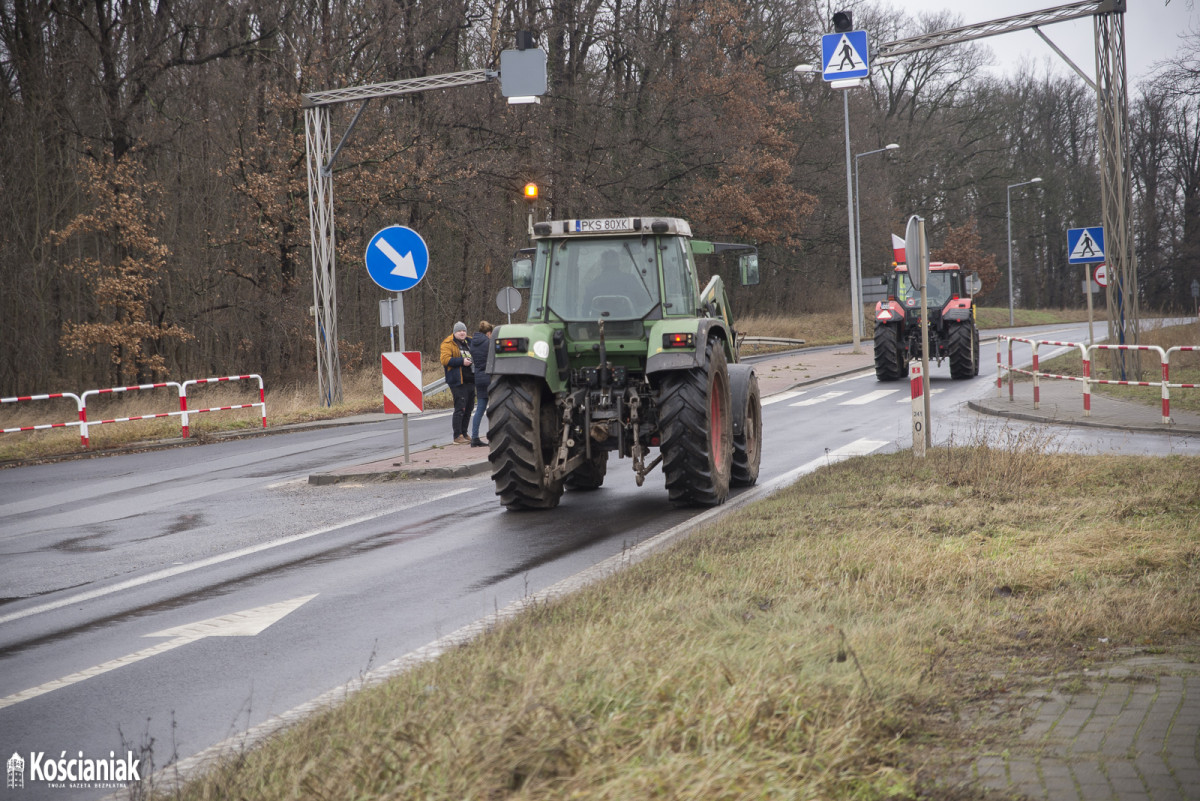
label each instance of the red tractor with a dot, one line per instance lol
(953, 334)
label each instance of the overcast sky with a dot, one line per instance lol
(1152, 30)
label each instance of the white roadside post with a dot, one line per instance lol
(919, 426)
(916, 256)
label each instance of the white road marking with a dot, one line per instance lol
(909, 399)
(216, 560)
(860, 447)
(862, 400)
(247, 623)
(819, 399)
(782, 396)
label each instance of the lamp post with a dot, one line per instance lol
(858, 221)
(855, 303)
(1008, 214)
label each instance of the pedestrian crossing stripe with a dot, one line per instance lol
(1085, 245)
(847, 58)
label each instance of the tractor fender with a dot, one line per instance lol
(660, 358)
(740, 376)
(538, 358)
(889, 312)
(958, 311)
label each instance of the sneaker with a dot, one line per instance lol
(461, 439)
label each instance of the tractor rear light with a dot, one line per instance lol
(654, 442)
(679, 341)
(512, 345)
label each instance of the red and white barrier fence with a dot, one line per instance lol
(1085, 352)
(181, 390)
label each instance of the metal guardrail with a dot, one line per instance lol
(771, 341)
(434, 388)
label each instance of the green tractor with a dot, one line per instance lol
(622, 353)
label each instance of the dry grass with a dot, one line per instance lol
(820, 644)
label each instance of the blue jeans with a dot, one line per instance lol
(480, 407)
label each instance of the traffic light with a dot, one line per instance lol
(843, 21)
(531, 192)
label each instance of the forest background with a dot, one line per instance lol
(154, 183)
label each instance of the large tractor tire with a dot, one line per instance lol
(696, 435)
(747, 446)
(889, 356)
(521, 441)
(963, 346)
(590, 474)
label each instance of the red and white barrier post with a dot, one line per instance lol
(917, 384)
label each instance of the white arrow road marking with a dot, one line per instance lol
(870, 396)
(819, 399)
(404, 267)
(239, 624)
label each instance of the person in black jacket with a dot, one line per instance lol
(480, 344)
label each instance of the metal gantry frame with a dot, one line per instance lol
(1112, 124)
(321, 155)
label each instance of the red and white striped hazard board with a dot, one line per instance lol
(402, 391)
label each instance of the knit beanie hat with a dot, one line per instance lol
(460, 327)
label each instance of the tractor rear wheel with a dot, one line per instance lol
(889, 358)
(696, 436)
(747, 446)
(963, 345)
(521, 442)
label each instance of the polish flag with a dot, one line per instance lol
(898, 249)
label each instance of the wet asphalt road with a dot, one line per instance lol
(100, 554)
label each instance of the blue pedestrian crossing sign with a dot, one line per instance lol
(844, 55)
(1085, 245)
(397, 258)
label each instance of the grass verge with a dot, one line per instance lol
(829, 642)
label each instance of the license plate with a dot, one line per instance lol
(602, 226)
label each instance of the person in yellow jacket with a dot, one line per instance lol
(460, 378)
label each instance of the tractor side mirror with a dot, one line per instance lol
(748, 267)
(973, 283)
(522, 269)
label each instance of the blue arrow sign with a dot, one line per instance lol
(397, 258)
(1085, 245)
(844, 55)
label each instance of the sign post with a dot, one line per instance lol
(397, 258)
(916, 255)
(1086, 246)
(844, 62)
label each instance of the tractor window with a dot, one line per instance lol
(537, 307)
(679, 293)
(613, 278)
(941, 285)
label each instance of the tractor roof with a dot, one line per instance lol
(933, 265)
(611, 226)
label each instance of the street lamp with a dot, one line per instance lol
(855, 303)
(858, 217)
(1008, 206)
